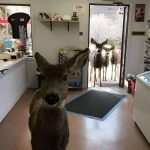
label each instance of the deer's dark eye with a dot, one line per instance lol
(65, 77)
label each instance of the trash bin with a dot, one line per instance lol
(131, 79)
(133, 86)
(129, 86)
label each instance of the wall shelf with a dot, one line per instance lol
(58, 21)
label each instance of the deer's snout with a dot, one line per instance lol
(51, 99)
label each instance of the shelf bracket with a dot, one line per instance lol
(68, 25)
(50, 25)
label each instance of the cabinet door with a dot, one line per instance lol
(12, 86)
(31, 67)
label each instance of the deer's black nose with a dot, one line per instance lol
(51, 99)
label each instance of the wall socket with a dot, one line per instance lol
(81, 36)
(80, 33)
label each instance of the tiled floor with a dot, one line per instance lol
(116, 132)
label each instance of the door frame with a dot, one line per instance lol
(124, 44)
(123, 37)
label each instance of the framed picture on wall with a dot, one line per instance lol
(139, 13)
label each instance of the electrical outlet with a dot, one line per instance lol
(80, 33)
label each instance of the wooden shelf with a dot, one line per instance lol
(58, 21)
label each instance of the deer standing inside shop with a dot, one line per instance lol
(115, 60)
(96, 58)
(48, 121)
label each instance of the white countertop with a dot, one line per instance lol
(10, 63)
(144, 78)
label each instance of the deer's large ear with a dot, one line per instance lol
(105, 42)
(99, 45)
(78, 61)
(93, 41)
(41, 61)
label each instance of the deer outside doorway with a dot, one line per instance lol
(107, 41)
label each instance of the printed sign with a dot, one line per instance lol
(79, 8)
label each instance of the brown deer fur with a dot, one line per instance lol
(48, 118)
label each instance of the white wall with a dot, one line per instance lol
(136, 45)
(48, 42)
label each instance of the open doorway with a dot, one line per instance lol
(7, 40)
(108, 25)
